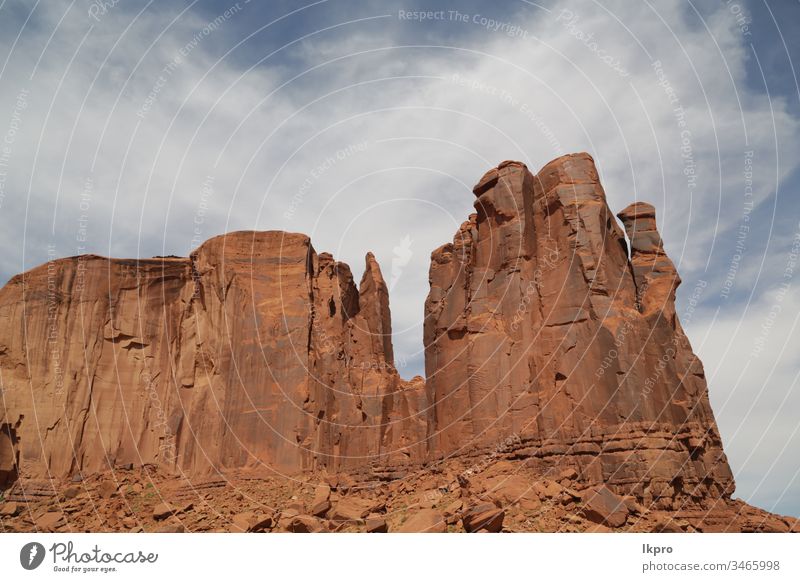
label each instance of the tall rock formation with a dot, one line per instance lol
(541, 331)
(545, 341)
(253, 351)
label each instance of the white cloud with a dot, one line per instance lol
(748, 355)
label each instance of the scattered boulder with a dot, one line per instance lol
(484, 517)
(262, 523)
(567, 475)
(285, 518)
(634, 508)
(454, 507)
(322, 500)
(49, 521)
(344, 482)
(9, 509)
(502, 468)
(424, 521)
(250, 521)
(350, 509)
(376, 524)
(296, 506)
(163, 511)
(322, 493)
(320, 508)
(429, 499)
(547, 489)
(512, 489)
(601, 505)
(575, 519)
(107, 489)
(71, 492)
(241, 521)
(666, 524)
(304, 524)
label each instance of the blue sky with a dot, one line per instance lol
(131, 121)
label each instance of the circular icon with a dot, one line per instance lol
(31, 555)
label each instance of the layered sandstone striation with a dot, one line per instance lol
(553, 354)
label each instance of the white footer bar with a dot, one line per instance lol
(355, 557)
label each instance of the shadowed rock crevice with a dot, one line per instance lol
(9, 454)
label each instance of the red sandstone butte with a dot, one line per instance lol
(539, 326)
(253, 351)
(555, 367)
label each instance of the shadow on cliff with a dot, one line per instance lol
(9, 455)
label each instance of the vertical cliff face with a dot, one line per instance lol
(540, 327)
(254, 351)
